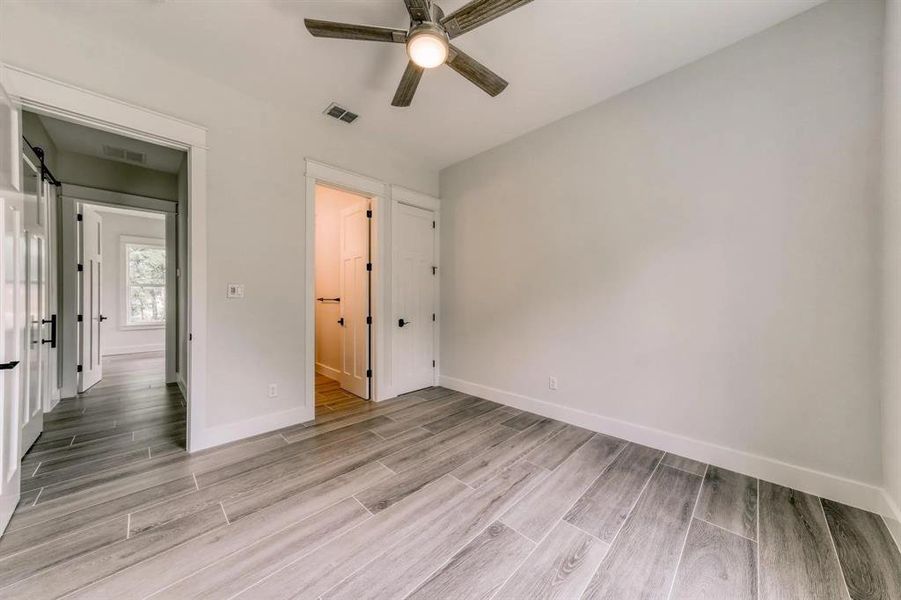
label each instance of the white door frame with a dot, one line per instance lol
(46, 96)
(377, 192)
(382, 197)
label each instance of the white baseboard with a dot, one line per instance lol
(848, 491)
(328, 371)
(231, 432)
(135, 349)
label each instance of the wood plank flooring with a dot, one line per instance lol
(431, 495)
(331, 398)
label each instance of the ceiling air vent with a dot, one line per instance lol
(339, 112)
(131, 156)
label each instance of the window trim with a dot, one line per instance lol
(124, 242)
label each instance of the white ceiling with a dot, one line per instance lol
(71, 137)
(560, 56)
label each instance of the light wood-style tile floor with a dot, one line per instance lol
(430, 495)
(331, 398)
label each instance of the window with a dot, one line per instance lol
(145, 282)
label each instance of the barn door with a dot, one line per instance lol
(36, 357)
(12, 306)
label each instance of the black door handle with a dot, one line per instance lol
(102, 318)
(341, 321)
(52, 340)
(401, 322)
(7, 366)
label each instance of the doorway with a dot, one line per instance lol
(343, 268)
(104, 304)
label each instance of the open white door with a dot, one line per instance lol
(413, 347)
(355, 300)
(91, 272)
(36, 357)
(12, 307)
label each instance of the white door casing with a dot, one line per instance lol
(35, 354)
(355, 300)
(414, 298)
(12, 307)
(90, 307)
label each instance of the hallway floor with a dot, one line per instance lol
(331, 398)
(430, 495)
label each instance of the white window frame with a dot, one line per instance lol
(124, 242)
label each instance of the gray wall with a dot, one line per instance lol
(255, 215)
(80, 169)
(698, 255)
(891, 418)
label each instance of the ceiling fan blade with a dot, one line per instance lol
(477, 13)
(490, 82)
(408, 84)
(418, 9)
(348, 31)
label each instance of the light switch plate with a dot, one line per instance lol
(235, 290)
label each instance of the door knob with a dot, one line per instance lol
(401, 322)
(102, 318)
(341, 321)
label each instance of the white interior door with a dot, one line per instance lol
(12, 307)
(90, 307)
(355, 300)
(413, 347)
(35, 352)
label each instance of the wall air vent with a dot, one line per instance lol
(339, 112)
(122, 154)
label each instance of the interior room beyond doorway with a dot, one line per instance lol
(342, 289)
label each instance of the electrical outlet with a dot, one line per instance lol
(552, 383)
(273, 390)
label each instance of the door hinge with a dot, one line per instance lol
(434, 270)
(368, 214)
(190, 337)
(369, 320)
(368, 372)
(80, 267)
(433, 364)
(78, 369)
(433, 316)
(78, 217)
(79, 318)
(433, 225)
(368, 266)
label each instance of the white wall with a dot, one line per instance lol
(255, 215)
(115, 337)
(329, 204)
(696, 260)
(891, 180)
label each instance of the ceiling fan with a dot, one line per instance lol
(428, 41)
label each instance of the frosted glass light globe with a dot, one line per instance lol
(428, 50)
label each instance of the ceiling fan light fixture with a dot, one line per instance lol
(427, 47)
